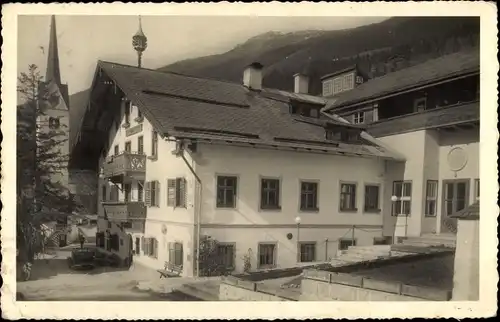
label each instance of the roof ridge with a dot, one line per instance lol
(173, 73)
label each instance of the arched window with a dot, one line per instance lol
(54, 123)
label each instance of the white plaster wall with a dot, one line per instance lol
(466, 275)
(249, 165)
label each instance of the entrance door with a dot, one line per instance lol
(455, 198)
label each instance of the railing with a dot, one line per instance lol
(122, 211)
(125, 163)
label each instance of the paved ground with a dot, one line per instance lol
(52, 280)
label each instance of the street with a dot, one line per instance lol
(52, 280)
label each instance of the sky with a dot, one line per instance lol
(83, 40)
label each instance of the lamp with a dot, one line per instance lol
(297, 221)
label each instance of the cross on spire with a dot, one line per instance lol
(140, 43)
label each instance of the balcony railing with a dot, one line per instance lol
(127, 164)
(124, 211)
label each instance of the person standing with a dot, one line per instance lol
(82, 240)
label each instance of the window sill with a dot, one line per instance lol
(266, 267)
(373, 211)
(153, 157)
(225, 207)
(270, 209)
(309, 210)
(126, 125)
(349, 210)
(430, 216)
(401, 215)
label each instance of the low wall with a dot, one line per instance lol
(323, 285)
(235, 289)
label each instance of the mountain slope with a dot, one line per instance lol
(322, 52)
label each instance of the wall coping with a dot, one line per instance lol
(398, 288)
(256, 287)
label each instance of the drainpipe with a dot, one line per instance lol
(197, 204)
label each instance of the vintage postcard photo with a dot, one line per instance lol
(243, 157)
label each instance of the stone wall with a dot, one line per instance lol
(330, 286)
(235, 289)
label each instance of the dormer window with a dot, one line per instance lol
(359, 118)
(420, 104)
(54, 123)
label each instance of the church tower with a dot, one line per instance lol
(56, 108)
(140, 43)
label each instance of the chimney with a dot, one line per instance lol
(252, 76)
(301, 83)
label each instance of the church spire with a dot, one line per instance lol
(53, 73)
(140, 43)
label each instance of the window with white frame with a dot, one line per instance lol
(372, 196)
(402, 204)
(226, 254)
(359, 117)
(337, 85)
(431, 198)
(348, 82)
(476, 190)
(327, 87)
(270, 193)
(344, 243)
(308, 196)
(307, 252)
(267, 255)
(226, 191)
(348, 197)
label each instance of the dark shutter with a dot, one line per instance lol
(147, 194)
(182, 192)
(179, 256)
(157, 194)
(155, 241)
(171, 192)
(142, 245)
(171, 253)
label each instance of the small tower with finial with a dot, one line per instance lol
(140, 43)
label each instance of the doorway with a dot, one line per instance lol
(455, 198)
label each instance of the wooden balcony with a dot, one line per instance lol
(125, 211)
(127, 165)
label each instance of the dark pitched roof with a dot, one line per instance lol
(186, 106)
(469, 213)
(431, 71)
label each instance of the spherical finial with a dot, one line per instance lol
(298, 220)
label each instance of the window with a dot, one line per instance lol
(226, 255)
(372, 198)
(337, 85)
(402, 191)
(476, 190)
(114, 193)
(150, 247)
(54, 123)
(345, 243)
(140, 145)
(332, 135)
(104, 193)
(420, 104)
(117, 149)
(154, 144)
(348, 82)
(431, 198)
(327, 87)
(267, 255)
(348, 197)
(125, 225)
(381, 241)
(176, 193)
(226, 192)
(455, 196)
(175, 254)
(359, 117)
(309, 196)
(127, 189)
(127, 112)
(128, 146)
(152, 197)
(140, 192)
(270, 194)
(307, 252)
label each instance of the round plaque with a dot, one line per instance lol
(289, 236)
(457, 159)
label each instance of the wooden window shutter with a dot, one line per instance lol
(171, 190)
(156, 248)
(368, 116)
(182, 192)
(143, 248)
(171, 253)
(157, 193)
(147, 194)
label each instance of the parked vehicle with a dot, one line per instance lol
(82, 258)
